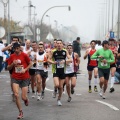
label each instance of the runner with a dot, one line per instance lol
(32, 70)
(19, 62)
(71, 69)
(113, 48)
(91, 66)
(105, 57)
(58, 58)
(11, 51)
(41, 73)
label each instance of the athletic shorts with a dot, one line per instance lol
(90, 68)
(104, 73)
(112, 65)
(59, 75)
(32, 71)
(21, 83)
(71, 75)
(42, 73)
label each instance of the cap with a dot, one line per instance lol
(16, 44)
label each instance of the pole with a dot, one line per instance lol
(108, 14)
(118, 31)
(112, 13)
(8, 21)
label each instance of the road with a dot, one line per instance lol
(84, 105)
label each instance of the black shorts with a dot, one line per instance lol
(21, 83)
(42, 73)
(59, 75)
(112, 65)
(32, 71)
(71, 75)
(90, 68)
(104, 73)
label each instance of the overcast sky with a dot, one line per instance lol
(84, 14)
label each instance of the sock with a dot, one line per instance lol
(89, 81)
(112, 81)
(95, 81)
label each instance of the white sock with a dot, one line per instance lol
(89, 81)
(112, 81)
(95, 81)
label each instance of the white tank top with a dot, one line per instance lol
(70, 66)
(40, 60)
(32, 57)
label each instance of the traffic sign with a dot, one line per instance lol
(112, 34)
(38, 30)
(2, 31)
(38, 37)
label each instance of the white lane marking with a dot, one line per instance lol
(47, 88)
(107, 104)
(78, 94)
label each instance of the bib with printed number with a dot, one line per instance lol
(18, 69)
(40, 64)
(102, 64)
(60, 65)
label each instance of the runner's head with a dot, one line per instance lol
(59, 44)
(34, 45)
(69, 48)
(41, 48)
(15, 39)
(27, 43)
(105, 44)
(16, 47)
(55, 43)
(93, 43)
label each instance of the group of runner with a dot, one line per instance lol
(102, 61)
(29, 64)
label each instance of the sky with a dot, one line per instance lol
(84, 14)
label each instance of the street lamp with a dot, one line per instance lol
(57, 27)
(69, 8)
(34, 19)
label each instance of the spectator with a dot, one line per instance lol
(1, 55)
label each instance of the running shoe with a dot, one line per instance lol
(103, 96)
(112, 90)
(101, 93)
(59, 103)
(72, 90)
(54, 94)
(38, 98)
(90, 90)
(20, 116)
(95, 89)
(69, 99)
(42, 95)
(26, 102)
(33, 95)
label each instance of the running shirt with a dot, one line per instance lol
(33, 56)
(23, 61)
(40, 61)
(70, 67)
(107, 54)
(59, 56)
(91, 62)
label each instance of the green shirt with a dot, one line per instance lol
(107, 54)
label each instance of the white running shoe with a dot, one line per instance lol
(103, 96)
(38, 98)
(33, 95)
(59, 103)
(101, 93)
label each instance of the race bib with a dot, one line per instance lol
(102, 64)
(18, 69)
(40, 64)
(69, 67)
(59, 65)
